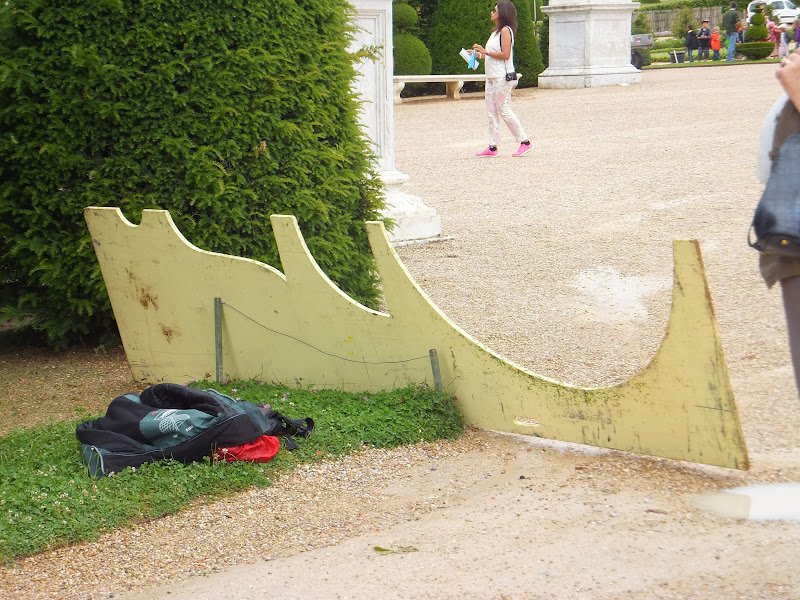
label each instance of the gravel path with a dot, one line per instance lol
(561, 261)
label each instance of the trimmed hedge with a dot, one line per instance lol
(411, 57)
(221, 111)
(758, 29)
(673, 4)
(404, 16)
(755, 50)
(669, 44)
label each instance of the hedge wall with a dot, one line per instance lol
(221, 111)
(675, 4)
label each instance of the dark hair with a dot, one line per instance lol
(733, 4)
(506, 15)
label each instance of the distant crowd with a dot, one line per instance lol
(707, 40)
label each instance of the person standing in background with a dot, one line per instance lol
(704, 39)
(783, 47)
(730, 21)
(774, 37)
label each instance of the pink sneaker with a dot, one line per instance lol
(488, 153)
(523, 149)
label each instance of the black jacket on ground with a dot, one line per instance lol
(184, 424)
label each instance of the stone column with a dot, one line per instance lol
(590, 44)
(413, 219)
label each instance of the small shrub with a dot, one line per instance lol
(411, 57)
(755, 50)
(757, 30)
(404, 17)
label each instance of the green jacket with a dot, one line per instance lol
(729, 20)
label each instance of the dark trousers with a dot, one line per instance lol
(701, 52)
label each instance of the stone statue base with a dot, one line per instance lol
(413, 219)
(589, 77)
(590, 44)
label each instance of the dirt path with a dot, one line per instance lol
(561, 262)
(521, 520)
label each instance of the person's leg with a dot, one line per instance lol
(731, 48)
(509, 117)
(791, 306)
(495, 97)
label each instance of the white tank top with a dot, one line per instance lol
(498, 68)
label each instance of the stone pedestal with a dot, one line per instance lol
(590, 44)
(413, 219)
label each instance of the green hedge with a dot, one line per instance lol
(673, 4)
(669, 44)
(404, 17)
(755, 50)
(221, 111)
(411, 57)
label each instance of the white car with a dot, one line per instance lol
(784, 10)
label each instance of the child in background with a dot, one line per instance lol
(783, 49)
(715, 43)
(774, 36)
(796, 28)
(690, 43)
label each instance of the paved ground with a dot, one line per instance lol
(561, 261)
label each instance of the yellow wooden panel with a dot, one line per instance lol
(298, 329)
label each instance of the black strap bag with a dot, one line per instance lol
(776, 224)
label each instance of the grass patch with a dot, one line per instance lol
(48, 499)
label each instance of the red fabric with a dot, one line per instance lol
(260, 450)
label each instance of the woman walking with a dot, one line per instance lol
(501, 78)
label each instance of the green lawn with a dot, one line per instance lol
(48, 499)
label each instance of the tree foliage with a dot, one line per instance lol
(641, 24)
(679, 26)
(527, 58)
(221, 111)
